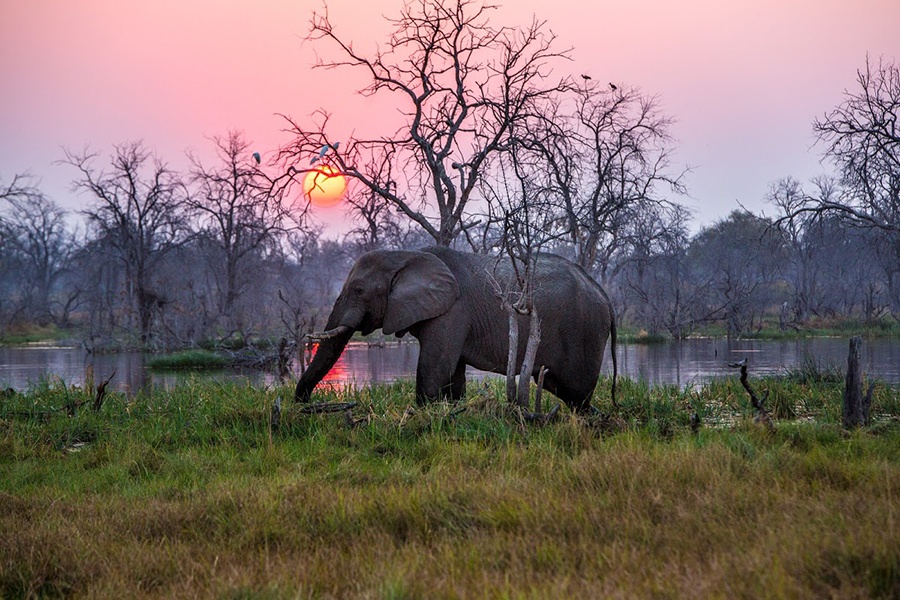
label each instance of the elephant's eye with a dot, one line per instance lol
(358, 290)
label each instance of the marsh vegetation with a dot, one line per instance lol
(189, 492)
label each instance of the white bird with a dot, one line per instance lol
(323, 151)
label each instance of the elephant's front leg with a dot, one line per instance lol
(440, 372)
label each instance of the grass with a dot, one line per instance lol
(187, 493)
(188, 359)
(31, 334)
(814, 327)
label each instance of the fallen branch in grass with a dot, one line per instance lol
(540, 418)
(327, 407)
(353, 422)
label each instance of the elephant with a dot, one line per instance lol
(450, 301)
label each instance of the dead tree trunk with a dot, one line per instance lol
(513, 353)
(856, 406)
(534, 338)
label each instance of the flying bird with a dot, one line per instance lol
(257, 157)
(613, 86)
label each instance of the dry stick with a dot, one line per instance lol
(539, 418)
(275, 418)
(512, 354)
(762, 415)
(410, 411)
(540, 389)
(101, 392)
(284, 358)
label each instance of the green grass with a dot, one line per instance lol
(814, 327)
(32, 334)
(188, 493)
(188, 359)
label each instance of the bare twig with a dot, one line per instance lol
(540, 389)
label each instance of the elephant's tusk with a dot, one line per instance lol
(331, 333)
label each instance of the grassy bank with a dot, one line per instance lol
(187, 360)
(188, 493)
(885, 327)
(32, 334)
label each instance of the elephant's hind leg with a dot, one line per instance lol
(576, 398)
(458, 382)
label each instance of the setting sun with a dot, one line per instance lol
(324, 186)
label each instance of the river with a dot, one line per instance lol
(683, 363)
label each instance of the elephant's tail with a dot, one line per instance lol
(612, 350)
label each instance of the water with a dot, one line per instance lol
(689, 362)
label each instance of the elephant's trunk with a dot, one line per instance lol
(327, 353)
(331, 345)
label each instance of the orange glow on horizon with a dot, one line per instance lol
(325, 186)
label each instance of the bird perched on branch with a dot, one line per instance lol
(321, 154)
(586, 77)
(257, 157)
(613, 86)
(323, 151)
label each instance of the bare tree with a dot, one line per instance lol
(311, 278)
(741, 255)
(376, 223)
(660, 291)
(460, 82)
(607, 160)
(35, 232)
(239, 217)
(520, 206)
(138, 214)
(801, 232)
(11, 303)
(861, 138)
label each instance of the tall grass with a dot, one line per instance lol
(189, 493)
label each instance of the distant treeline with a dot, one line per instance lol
(165, 270)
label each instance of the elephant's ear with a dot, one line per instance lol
(422, 289)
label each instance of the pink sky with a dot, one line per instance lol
(744, 79)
